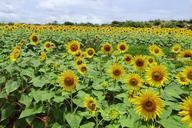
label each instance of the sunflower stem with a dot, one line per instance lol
(96, 120)
(71, 97)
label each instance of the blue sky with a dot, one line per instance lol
(95, 11)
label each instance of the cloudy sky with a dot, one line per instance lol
(95, 11)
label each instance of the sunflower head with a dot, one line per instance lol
(34, 39)
(90, 104)
(176, 48)
(22, 42)
(82, 69)
(68, 80)
(106, 48)
(156, 50)
(116, 71)
(15, 53)
(134, 81)
(78, 61)
(114, 114)
(187, 71)
(186, 111)
(128, 58)
(122, 47)
(90, 52)
(139, 62)
(182, 79)
(73, 47)
(151, 61)
(48, 45)
(42, 56)
(186, 54)
(157, 75)
(148, 105)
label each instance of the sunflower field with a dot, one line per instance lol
(54, 76)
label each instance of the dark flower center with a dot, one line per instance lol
(107, 48)
(157, 76)
(69, 81)
(139, 62)
(116, 72)
(122, 47)
(149, 106)
(133, 81)
(34, 39)
(74, 47)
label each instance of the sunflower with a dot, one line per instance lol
(182, 79)
(122, 47)
(186, 54)
(116, 71)
(128, 58)
(106, 48)
(90, 52)
(186, 111)
(68, 80)
(82, 69)
(156, 50)
(176, 48)
(148, 105)
(157, 75)
(134, 81)
(78, 61)
(114, 114)
(73, 47)
(187, 71)
(15, 53)
(42, 56)
(139, 62)
(90, 104)
(48, 45)
(34, 39)
(22, 42)
(79, 54)
(151, 61)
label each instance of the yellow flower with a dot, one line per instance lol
(185, 54)
(73, 47)
(186, 111)
(116, 71)
(22, 42)
(42, 56)
(90, 52)
(139, 62)
(82, 69)
(157, 75)
(128, 58)
(148, 105)
(48, 45)
(122, 47)
(134, 81)
(182, 79)
(156, 50)
(68, 80)
(34, 39)
(90, 104)
(176, 48)
(78, 61)
(15, 53)
(151, 61)
(187, 71)
(106, 48)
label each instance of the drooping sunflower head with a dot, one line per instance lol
(15, 53)
(157, 75)
(128, 58)
(73, 47)
(122, 47)
(82, 69)
(42, 56)
(186, 54)
(139, 62)
(149, 105)
(186, 111)
(182, 79)
(187, 71)
(68, 80)
(90, 104)
(34, 39)
(134, 81)
(90, 52)
(106, 48)
(116, 71)
(176, 48)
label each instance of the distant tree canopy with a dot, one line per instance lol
(153, 23)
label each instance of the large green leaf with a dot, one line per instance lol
(73, 119)
(11, 86)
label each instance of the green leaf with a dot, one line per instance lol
(88, 125)
(26, 100)
(56, 125)
(11, 86)
(30, 111)
(41, 95)
(73, 120)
